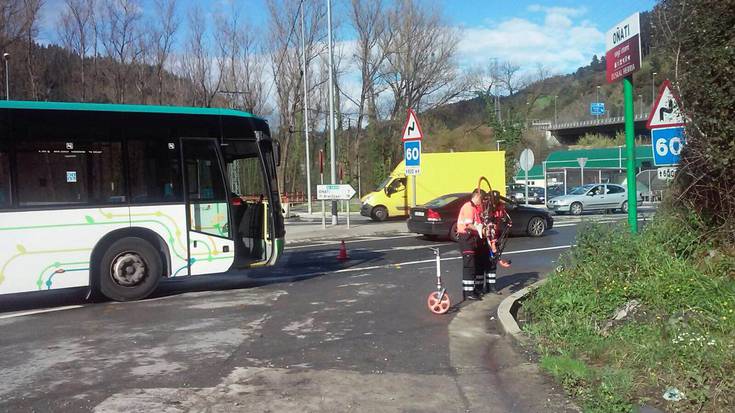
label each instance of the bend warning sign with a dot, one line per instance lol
(412, 130)
(666, 112)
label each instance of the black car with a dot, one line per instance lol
(438, 217)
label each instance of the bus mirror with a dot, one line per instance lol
(277, 152)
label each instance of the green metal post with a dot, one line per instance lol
(630, 152)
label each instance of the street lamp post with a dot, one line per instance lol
(640, 105)
(332, 151)
(653, 87)
(497, 144)
(306, 113)
(6, 57)
(555, 119)
(597, 100)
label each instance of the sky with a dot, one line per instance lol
(561, 35)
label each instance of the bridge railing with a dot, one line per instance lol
(591, 122)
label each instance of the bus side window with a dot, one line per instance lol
(155, 172)
(54, 172)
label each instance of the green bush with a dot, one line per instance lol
(682, 336)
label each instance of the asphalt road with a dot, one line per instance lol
(313, 334)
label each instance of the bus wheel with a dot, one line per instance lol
(129, 270)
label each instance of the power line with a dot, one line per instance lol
(285, 49)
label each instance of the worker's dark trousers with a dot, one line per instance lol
(474, 262)
(491, 274)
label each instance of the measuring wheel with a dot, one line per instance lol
(438, 305)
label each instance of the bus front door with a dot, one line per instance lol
(210, 241)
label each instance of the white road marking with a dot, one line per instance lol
(364, 239)
(402, 264)
(45, 310)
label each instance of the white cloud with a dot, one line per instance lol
(560, 40)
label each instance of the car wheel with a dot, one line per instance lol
(453, 235)
(380, 213)
(536, 227)
(129, 270)
(624, 207)
(576, 208)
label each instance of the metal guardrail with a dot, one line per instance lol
(592, 122)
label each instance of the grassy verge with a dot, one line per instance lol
(681, 336)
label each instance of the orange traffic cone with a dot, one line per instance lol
(342, 252)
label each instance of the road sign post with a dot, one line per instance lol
(582, 162)
(623, 57)
(321, 181)
(630, 153)
(526, 163)
(412, 136)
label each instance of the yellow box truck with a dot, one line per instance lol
(441, 174)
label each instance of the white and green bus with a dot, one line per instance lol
(113, 198)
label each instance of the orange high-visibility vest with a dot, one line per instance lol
(469, 215)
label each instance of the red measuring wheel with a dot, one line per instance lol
(437, 305)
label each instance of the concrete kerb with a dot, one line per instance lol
(509, 305)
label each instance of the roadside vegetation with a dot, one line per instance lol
(649, 318)
(680, 334)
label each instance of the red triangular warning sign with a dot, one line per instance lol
(666, 112)
(412, 129)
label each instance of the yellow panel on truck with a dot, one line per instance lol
(441, 174)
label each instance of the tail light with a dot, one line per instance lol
(236, 201)
(433, 216)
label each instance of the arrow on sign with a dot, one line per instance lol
(334, 192)
(666, 112)
(412, 130)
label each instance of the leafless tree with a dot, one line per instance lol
(75, 30)
(12, 22)
(510, 77)
(122, 40)
(204, 69)
(285, 52)
(370, 21)
(243, 67)
(32, 9)
(163, 36)
(421, 70)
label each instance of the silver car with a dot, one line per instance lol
(592, 197)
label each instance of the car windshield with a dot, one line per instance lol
(384, 183)
(442, 200)
(581, 190)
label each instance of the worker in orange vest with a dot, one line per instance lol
(499, 223)
(471, 236)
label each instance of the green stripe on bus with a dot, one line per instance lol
(107, 107)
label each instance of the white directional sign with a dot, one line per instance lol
(582, 162)
(334, 192)
(666, 112)
(527, 160)
(412, 129)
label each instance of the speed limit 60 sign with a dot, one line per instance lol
(667, 144)
(412, 153)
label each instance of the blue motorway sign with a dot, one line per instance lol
(412, 154)
(597, 108)
(667, 144)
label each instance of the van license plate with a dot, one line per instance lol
(418, 213)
